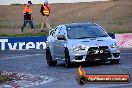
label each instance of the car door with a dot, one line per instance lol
(54, 43)
(50, 41)
(59, 44)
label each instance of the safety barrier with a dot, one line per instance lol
(124, 40)
(22, 43)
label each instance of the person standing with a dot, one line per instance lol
(28, 17)
(45, 11)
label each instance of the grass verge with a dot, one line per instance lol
(4, 78)
(23, 35)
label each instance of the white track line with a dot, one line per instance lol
(21, 56)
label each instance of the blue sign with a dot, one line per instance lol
(21, 43)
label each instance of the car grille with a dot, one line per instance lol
(101, 52)
(116, 55)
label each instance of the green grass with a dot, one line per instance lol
(120, 31)
(46, 34)
(111, 25)
(24, 35)
(16, 4)
(4, 25)
(117, 31)
(4, 78)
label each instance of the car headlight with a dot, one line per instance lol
(114, 45)
(77, 48)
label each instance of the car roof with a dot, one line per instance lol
(80, 24)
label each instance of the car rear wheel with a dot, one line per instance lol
(67, 58)
(50, 62)
(114, 61)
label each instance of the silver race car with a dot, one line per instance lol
(80, 42)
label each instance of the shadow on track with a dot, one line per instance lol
(84, 64)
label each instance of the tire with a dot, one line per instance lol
(114, 61)
(67, 58)
(50, 62)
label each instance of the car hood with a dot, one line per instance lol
(92, 42)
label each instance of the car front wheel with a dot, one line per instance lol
(114, 61)
(50, 62)
(67, 58)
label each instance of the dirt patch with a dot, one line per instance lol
(21, 80)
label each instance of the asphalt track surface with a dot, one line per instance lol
(34, 62)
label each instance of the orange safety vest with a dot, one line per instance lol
(27, 9)
(46, 11)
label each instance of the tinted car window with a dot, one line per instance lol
(80, 32)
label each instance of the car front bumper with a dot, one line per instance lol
(82, 56)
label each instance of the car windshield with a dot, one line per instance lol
(81, 32)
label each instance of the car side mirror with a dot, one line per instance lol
(112, 35)
(61, 37)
